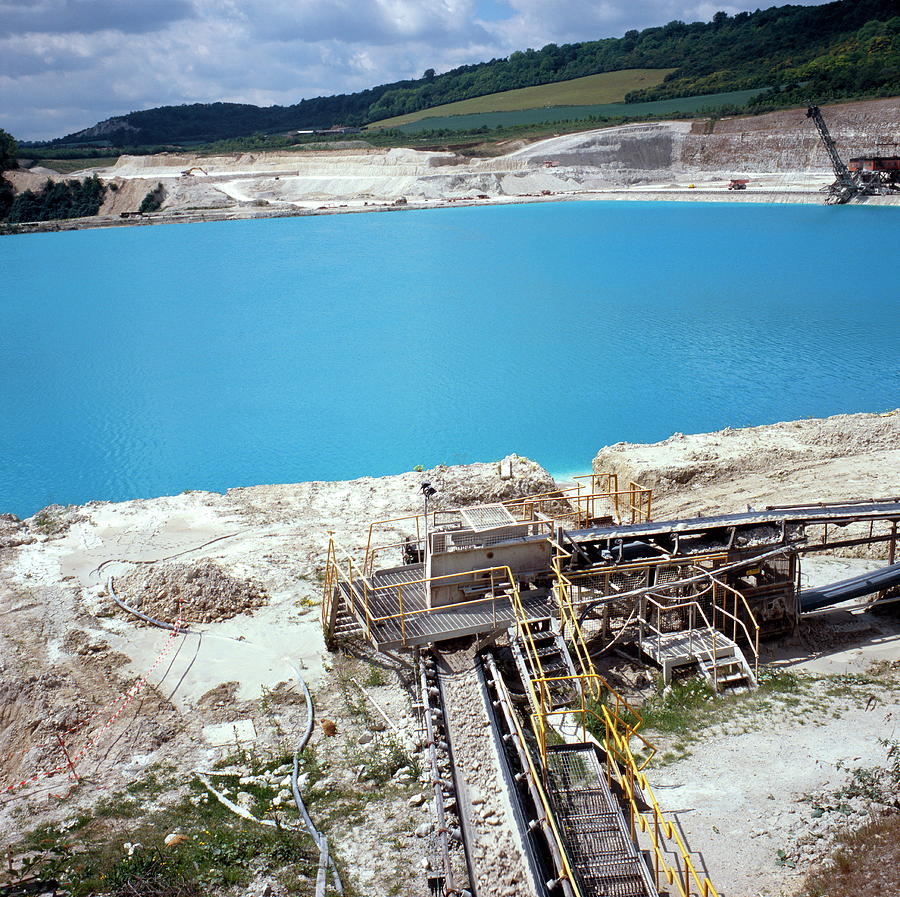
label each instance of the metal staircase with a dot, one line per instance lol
(719, 659)
(602, 853)
(343, 623)
(728, 669)
(546, 650)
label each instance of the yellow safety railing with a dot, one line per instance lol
(508, 532)
(568, 620)
(365, 597)
(630, 505)
(328, 588)
(538, 779)
(594, 692)
(598, 706)
(692, 608)
(672, 860)
(573, 505)
(749, 616)
(740, 620)
(664, 838)
(371, 551)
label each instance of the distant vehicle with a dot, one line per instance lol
(738, 184)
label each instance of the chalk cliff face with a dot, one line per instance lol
(779, 152)
(787, 141)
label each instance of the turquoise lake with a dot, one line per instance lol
(143, 361)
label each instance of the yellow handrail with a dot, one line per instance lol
(622, 766)
(618, 731)
(682, 603)
(640, 497)
(581, 508)
(754, 643)
(603, 692)
(662, 830)
(362, 592)
(545, 804)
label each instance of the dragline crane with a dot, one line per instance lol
(869, 176)
(844, 187)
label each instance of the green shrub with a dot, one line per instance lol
(153, 200)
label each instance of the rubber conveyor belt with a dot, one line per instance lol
(888, 509)
(855, 587)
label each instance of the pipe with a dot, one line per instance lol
(377, 706)
(325, 859)
(636, 593)
(177, 628)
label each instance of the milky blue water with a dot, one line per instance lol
(147, 360)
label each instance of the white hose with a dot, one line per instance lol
(326, 862)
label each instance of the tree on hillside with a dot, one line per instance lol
(9, 151)
(59, 199)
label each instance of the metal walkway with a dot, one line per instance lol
(595, 833)
(401, 618)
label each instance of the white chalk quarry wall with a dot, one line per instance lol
(635, 154)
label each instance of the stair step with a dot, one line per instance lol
(726, 680)
(728, 665)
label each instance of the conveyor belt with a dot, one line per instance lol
(887, 509)
(855, 587)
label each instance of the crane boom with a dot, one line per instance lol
(844, 187)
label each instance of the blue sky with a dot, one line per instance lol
(66, 64)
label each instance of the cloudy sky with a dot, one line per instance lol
(66, 64)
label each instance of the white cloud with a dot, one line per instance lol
(86, 16)
(65, 64)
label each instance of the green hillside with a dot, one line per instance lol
(609, 87)
(849, 48)
(474, 122)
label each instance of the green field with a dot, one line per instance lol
(609, 87)
(66, 166)
(512, 118)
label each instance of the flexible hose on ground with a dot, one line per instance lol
(142, 616)
(326, 862)
(325, 859)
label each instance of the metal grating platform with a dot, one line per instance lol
(594, 830)
(485, 517)
(398, 595)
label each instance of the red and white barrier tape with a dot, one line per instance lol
(122, 701)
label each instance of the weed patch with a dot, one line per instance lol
(126, 856)
(866, 861)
